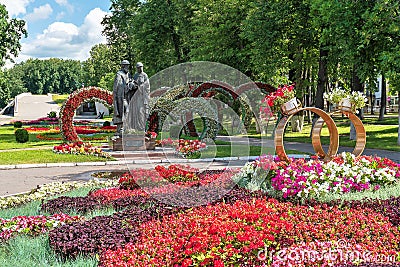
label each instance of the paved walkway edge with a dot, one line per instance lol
(120, 162)
(137, 161)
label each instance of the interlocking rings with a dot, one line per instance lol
(316, 134)
(361, 136)
(333, 132)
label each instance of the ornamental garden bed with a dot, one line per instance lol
(267, 219)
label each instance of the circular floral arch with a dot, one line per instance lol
(75, 99)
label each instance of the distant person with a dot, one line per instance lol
(119, 90)
(139, 92)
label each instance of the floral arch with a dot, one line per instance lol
(75, 99)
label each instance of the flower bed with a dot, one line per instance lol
(228, 234)
(113, 231)
(314, 178)
(80, 148)
(48, 190)
(184, 148)
(187, 148)
(153, 183)
(78, 129)
(242, 228)
(33, 225)
(42, 121)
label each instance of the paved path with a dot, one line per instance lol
(14, 181)
(307, 148)
(31, 107)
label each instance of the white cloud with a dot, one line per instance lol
(66, 40)
(62, 2)
(16, 7)
(39, 13)
(66, 4)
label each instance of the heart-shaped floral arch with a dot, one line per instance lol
(73, 102)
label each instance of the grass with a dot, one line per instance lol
(380, 134)
(60, 99)
(385, 192)
(43, 156)
(23, 251)
(227, 150)
(28, 251)
(7, 139)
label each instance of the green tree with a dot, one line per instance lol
(107, 81)
(51, 75)
(381, 38)
(155, 32)
(11, 85)
(11, 32)
(98, 65)
(118, 28)
(218, 35)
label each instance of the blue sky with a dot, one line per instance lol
(59, 28)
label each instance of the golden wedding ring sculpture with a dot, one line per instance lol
(294, 106)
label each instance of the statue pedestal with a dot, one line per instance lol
(131, 142)
(117, 144)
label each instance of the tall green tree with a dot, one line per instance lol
(217, 33)
(11, 85)
(283, 43)
(98, 65)
(118, 28)
(11, 32)
(51, 75)
(155, 32)
(381, 38)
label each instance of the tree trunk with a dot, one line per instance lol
(358, 87)
(383, 99)
(398, 110)
(371, 97)
(176, 40)
(308, 96)
(322, 81)
(322, 78)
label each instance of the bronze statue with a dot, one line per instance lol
(138, 93)
(120, 88)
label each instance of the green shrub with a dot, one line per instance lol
(18, 124)
(174, 131)
(52, 114)
(106, 123)
(21, 135)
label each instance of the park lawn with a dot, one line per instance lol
(60, 99)
(7, 140)
(378, 136)
(43, 156)
(226, 150)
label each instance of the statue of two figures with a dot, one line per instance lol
(131, 101)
